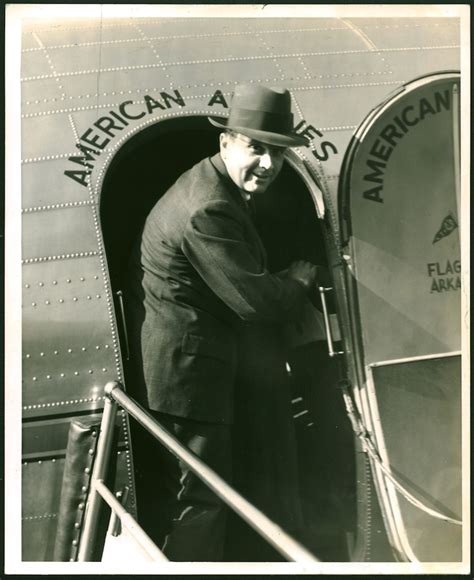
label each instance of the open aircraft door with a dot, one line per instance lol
(399, 203)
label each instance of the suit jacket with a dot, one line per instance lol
(198, 272)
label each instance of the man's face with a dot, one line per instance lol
(251, 164)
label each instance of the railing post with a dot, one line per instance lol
(104, 447)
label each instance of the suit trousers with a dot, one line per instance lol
(178, 511)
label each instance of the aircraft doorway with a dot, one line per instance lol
(140, 173)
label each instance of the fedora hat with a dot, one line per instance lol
(262, 113)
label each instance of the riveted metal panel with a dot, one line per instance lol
(40, 503)
(410, 32)
(39, 90)
(59, 231)
(36, 63)
(83, 118)
(174, 50)
(83, 89)
(40, 180)
(413, 38)
(65, 389)
(119, 29)
(333, 103)
(47, 438)
(38, 538)
(136, 54)
(406, 67)
(67, 366)
(356, 67)
(60, 281)
(77, 32)
(294, 72)
(60, 405)
(318, 41)
(146, 79)
(238, 71)
(40, 507)
(63, 279)
(43, 438)
(55, 130)
(83, 31)
(71, 61)
(394, 25)
(183, 26)
(51, 34)
(292, 25)
(41, 500)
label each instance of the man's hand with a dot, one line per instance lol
(303, 272)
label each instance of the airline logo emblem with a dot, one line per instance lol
(448, 225)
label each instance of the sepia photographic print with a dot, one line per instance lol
(237, 289)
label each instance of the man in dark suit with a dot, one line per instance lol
(198, 277)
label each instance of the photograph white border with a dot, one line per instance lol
(15, 14)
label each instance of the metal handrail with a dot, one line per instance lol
(128, 521)
(270, 531)
(327, 322)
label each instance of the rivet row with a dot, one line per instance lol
(62, 403)
(127, 457)
(347, 86)
(66, 205)
(60, 257)
(88, 27)
(50, 63)
(26, 463)
(55, 282)
(370, 26)
(274, 57)
(104, 270)
(151, 45)
(47, 157)
(275, 61)
(62, 301)
(206, 96)
(247, 58)
(216, 34)
(40, 517)
(146, 90)
(71, 110)
(63, 375)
